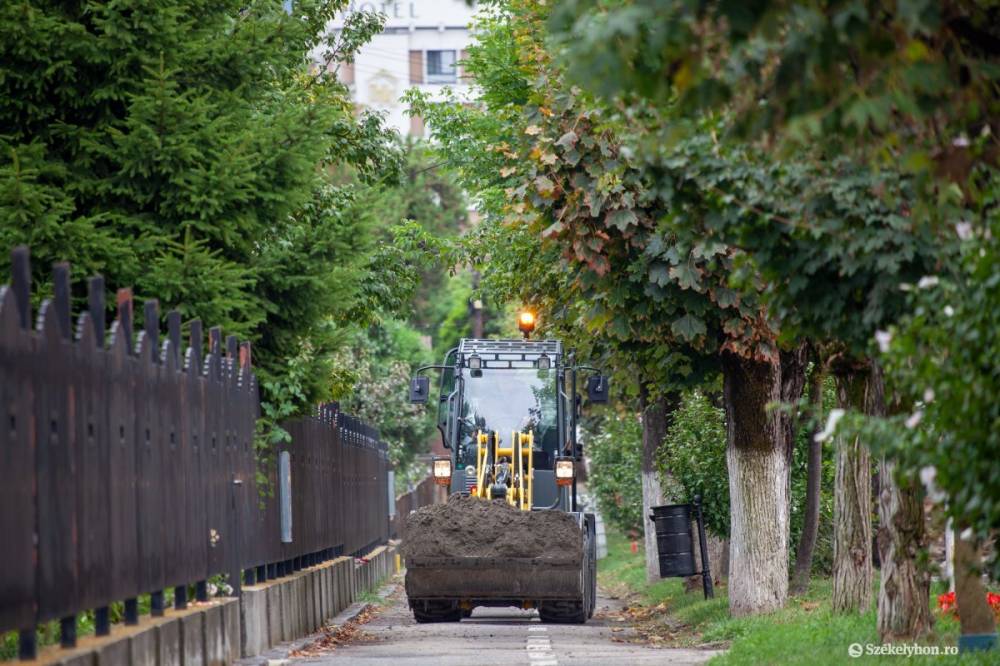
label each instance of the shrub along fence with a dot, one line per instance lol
(127, 465)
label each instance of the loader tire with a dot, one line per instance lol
(436, 611)
(563, 612)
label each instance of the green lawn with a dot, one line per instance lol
(805, 632)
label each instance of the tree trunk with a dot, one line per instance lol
(852, 509)
(905, 586)
(974, 613)
(757, 458)
(654, 429)
(814, 479)
(793, 382)
(904, 594)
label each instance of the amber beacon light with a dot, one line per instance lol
(526, 322)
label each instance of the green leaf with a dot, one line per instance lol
(688, 327)
(687, 275)
(621, 219)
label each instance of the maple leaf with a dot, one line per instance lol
(621, 219)
(688, 327)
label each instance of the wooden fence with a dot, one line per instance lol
(127, 464)
(426, 492)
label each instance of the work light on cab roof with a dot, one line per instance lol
(526, 322)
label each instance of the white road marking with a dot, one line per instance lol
(539, 648)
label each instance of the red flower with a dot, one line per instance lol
(946, 603)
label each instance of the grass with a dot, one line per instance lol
(806, 631)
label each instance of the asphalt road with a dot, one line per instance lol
(505, 636)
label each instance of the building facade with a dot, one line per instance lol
(421, 46)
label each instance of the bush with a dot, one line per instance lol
(692, 460)
(614, 446)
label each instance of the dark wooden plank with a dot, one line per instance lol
(56, 459)
(61, 298)
(197, 528)
(173, 470)
(95, 306)
(17, 468)
(215, 473)
(94, 466)
(122, 514)
(20, 283)
(149, 459)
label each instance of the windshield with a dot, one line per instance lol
(508, 400)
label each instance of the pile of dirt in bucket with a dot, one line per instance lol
(471, 527)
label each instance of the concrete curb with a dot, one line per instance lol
(204, 633)
(224, 629)
(279, 655)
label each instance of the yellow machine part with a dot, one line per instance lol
(520, 453)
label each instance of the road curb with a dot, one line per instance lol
(279, 655)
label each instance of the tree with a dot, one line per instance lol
(814, 474)
(183, 148)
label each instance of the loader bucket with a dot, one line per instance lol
(473, 552)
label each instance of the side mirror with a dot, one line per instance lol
(597, 389)
(420, 390)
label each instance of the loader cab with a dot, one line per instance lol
(508, 387)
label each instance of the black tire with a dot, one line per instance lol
(436, 611)
(592, 568)
(563, 612)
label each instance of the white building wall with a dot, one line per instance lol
(382, 67)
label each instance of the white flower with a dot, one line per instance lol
(883, 338)
(928, 281)
(949, 311)
(928, 395)
(212, 589)
(905, 286)
(966, 534)
(960, 141)
(227, 590)
(927, 476)
(831, 425)
(915, 419)
(964, 230)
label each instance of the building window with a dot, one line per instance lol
(441, 67)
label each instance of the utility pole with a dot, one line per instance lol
(476, 308)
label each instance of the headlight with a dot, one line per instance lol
(442, 471)
(564, 471)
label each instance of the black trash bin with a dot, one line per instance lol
(674, 542)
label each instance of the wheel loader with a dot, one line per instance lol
(511, 533)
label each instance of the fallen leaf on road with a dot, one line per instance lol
(337, 636)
